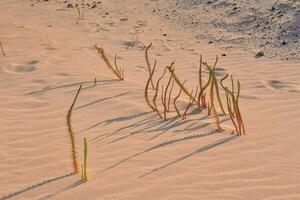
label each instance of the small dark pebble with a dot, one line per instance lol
(164, 34)
(94, 6)
(70, 5)
(210, 42)
(259, 54)
(124, 19)
(223, 54)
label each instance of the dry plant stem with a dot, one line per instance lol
(115, 70)
(71, 133)
(147, 87)
(200, 83)
(139, 41)
(163, 103)
(191, 101)
(229, 108)
(84, 170)
(175, 99)
(202, 94)
(166, 92)
(2, 49)
(215, 83)
(235, 101)
(156, 93)
(178, 82)
(148, 62)
(119, 70)
(212, 104)
(170, 94)
(78, 11)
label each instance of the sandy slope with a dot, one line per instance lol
(50, 52)
(271, 26)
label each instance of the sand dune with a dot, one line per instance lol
(133, 154)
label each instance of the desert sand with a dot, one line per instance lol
(132, 153)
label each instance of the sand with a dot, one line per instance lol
(133, 154)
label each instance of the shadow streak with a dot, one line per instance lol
(11, 195)
(118, 119)
(54, 86)
(202, 149)
(101, 100)
(162, 145)
(73, 185)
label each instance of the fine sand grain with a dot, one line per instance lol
(133, 154)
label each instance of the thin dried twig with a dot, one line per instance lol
(233, 106)
(214, 79)
(117, 71)
(178, 82)
(191, 101)
(71, 133)
(166, 91)
(156, 93)
(163, 102)
(2, 49)
(79, 12)
(170, 94)
(148, 62)
(175, 99)
(147, 86)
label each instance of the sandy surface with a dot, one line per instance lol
(133, 154)
(270, 26)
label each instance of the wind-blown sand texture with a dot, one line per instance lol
(133, 154)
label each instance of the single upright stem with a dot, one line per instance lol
(191, 101)
(71, 133)
(163, 102)
(170, 94)
(156, 93)
(147, 86)
(175, 99)
(148, 63)
(85, 160)
(2, 49)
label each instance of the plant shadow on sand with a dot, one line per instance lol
(148, 123)
(56, 86)
(42, 183)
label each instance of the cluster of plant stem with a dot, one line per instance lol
(206, 96)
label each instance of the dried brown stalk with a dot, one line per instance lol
(163, 102)
(2, 49)
(233, 106)
(156, 93)
(170, 94)
(117, 71)
(148, 62)
(214, 79)
(230, 112)
(178, 82)
(79, 12)
(191, 101)
(212, 104)
(71, 133)
(166, 92)
(147, 86)
(175, 99)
